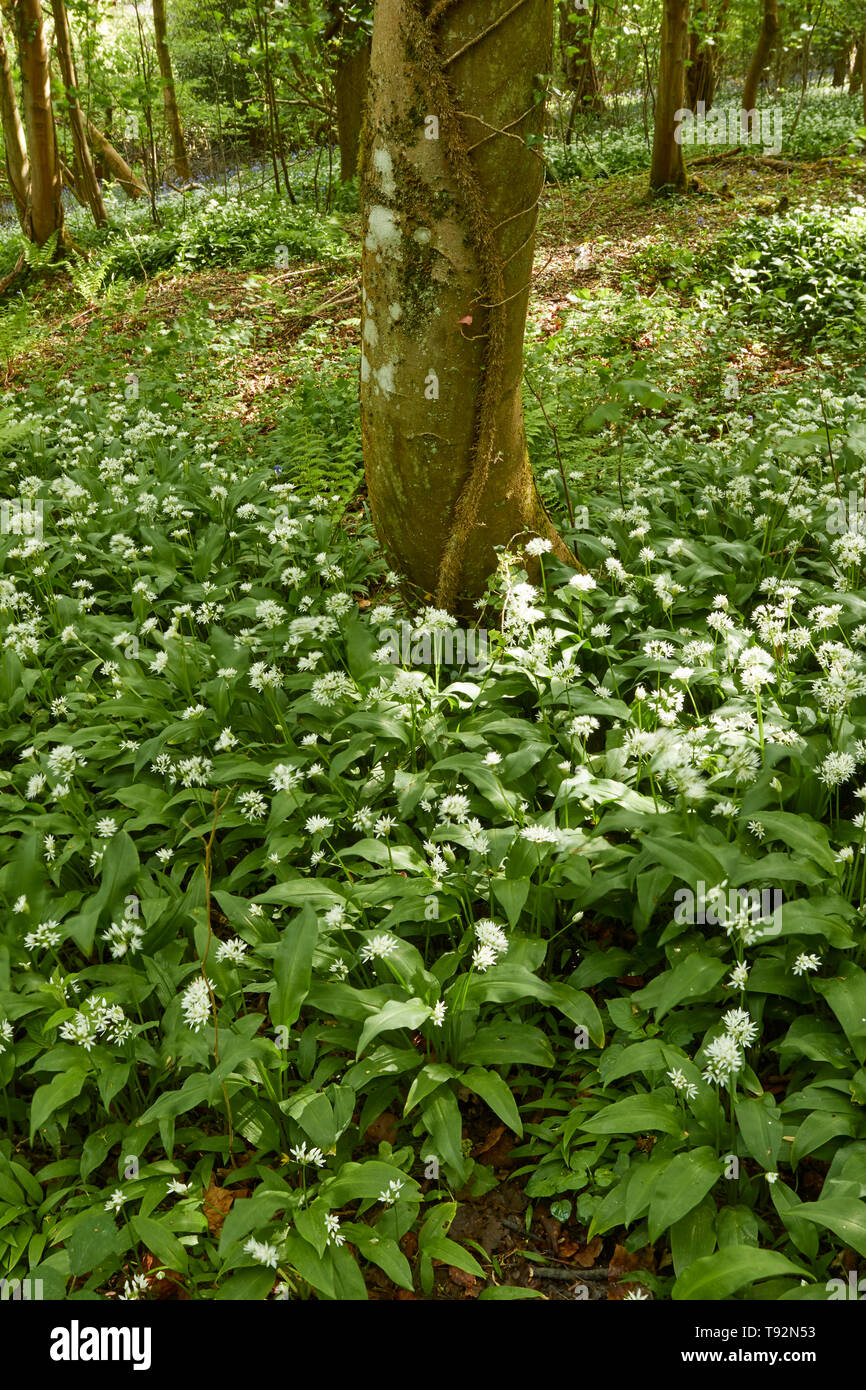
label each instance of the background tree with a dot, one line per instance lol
(576, 32)
(764, 47)
(450, 182)
(668, 168)
(45, 212)
(114, 163)
(842, 60)
(14, 143)
(85, 175)
(350, 44)
(169, 96)
(856, 78)
(706, 28)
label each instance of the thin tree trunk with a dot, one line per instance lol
(277, 150)
(578, 63)
(86, 182)
(450, 208)
(144, 69)
(857, 69)
(15, 147)
(114, 162)
(350, 89)
(169, 95)
(278, 131)
(807, 48)
(70, 183)
(668, 168)
(763, 49)
(272, 136)
(45, 213)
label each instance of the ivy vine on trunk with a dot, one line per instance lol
(451, 178)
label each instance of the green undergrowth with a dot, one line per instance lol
(206, 228)
(618, 141)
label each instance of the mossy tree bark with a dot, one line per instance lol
(169, 95)
(668, 169)
(14, 143)
(763, 49)
(86, 182)
(450, 190)
(45, 210)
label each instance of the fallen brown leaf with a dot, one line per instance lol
(623, 1261)
(217, 1203)
(409, 1245)
(383, 1128)
(489, 1141)
(166, 1284)
(551, 1228)
(587, 1257)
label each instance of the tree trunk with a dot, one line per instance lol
(169, 96)
(70, 183)
(350, 89)
(15, 146)
(702, 74)
(578, 62)
(276, 134)
(668, 168)
(45, 213)
(115, 163)
(86, 182)
(450, 209)
(841, 62)
(766, 39)
(857, 70)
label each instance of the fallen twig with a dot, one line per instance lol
(716, 158)
(576, 1276)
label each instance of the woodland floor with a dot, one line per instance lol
(593, 236)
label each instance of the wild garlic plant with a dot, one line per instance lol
(269, 877)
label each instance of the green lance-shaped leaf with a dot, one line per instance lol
(724, 1273)
(293, 968)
